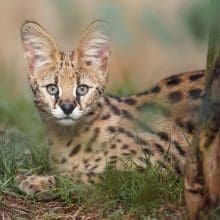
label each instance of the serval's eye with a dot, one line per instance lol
(52, 89)
(82, 90)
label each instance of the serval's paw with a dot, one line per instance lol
(39, 186)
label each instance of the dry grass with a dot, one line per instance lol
(17, 208)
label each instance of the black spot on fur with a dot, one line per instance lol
(173, 80)
(98, 159)
(90, 113)
(147, 151)
(155, 89)
(130, 101)
(91, 181)
(69, 142)
(124, 146)
(117, 98)
(196, 76)
(99, 91)
(75, 167)
(126, 132)
(85, 161)
(94, 167)
(50, 181)
(115, 109)
(179, 122)
(159, 148)
(190, 127)
(142, 93)
(56, 79)
(112, 162)
(175, 97)
(121, 130)
(113, 146)
(31, 186)
(195, 93)
(105, 117)
(86, 165)
(113, 157)
(127, 114)
(132, 151)
(36, 89)
(177, 169)
(99, 105)
(107, 101)
(93, 139)
(111, 129)
(179, 148)
(163, 135)
(129, 134)
(75, 150)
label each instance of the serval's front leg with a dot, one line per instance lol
(42, 187)
(34, 185)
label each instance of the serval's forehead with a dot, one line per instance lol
(67, 75)
(66, 59)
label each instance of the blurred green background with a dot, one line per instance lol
(151, 39)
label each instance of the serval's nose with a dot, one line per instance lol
(67, 108)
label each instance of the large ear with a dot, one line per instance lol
(39, 48)
(94, 47)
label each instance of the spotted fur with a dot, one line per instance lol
(102, 129)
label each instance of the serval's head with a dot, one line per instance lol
(66, 86)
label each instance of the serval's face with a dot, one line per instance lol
(66, 86)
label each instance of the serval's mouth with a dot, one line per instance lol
(66, 121)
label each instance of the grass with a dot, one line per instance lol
(121, 194)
